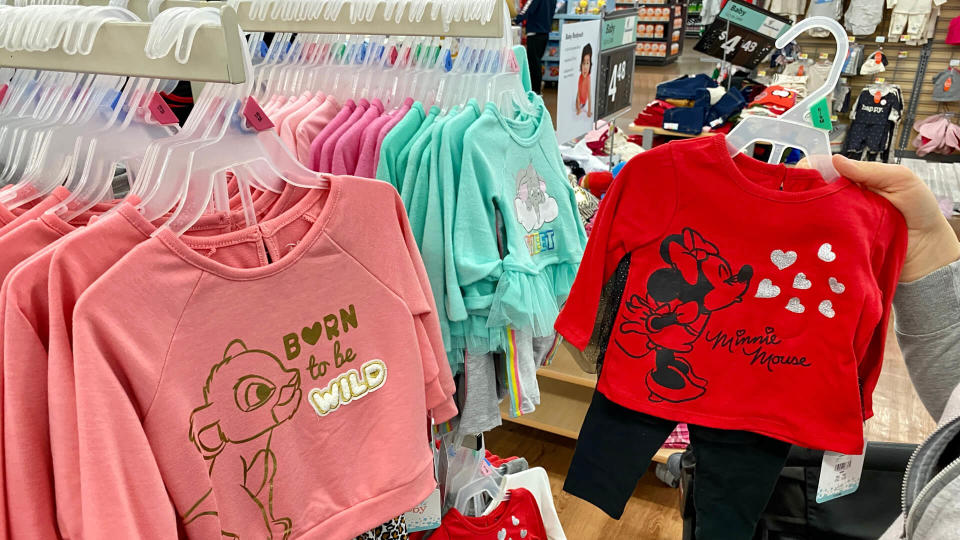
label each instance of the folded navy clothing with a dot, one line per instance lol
(731, 103)
(685, 119)
(685, 87)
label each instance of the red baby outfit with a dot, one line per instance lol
(757, 297)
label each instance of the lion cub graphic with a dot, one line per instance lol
(246, 396)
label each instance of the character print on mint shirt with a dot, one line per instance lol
(672, 314)
(246, 396)
(534, 206)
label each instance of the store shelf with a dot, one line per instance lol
(664, 38)
(551, 58)
(562, 408)
(565, 369)
(575, 17)
(553, 36)
(633, 128)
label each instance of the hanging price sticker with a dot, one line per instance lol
(881, 39)
(160, 111)
(834, 118)
(903, 54)
(953, 63)
(803, 56)
(820, 115)
(761, 73)
(424, 516)
(256, 118)
(839, 476)
(824, 56)
(880, 80)
(742, 34)
(851, 39)
(905, 37)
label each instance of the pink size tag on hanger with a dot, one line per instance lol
(3, 92)
(160, 111)
(512, 62)
(255, 116)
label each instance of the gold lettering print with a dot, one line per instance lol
(348, 386)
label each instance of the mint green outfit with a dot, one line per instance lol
(521, 53)
(414, 144)
(394, 143)
(514, 167)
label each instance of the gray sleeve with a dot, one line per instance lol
(928, 329)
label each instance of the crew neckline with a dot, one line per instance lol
(187, 249)
(738, 166)
(512, 126)
(493, 521)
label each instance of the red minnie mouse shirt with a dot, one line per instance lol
(757, 298)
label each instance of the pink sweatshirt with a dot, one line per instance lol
(312, 125)
(347, 147)
(367, 161)
(11, 220)
(326, 151)
(288, 130)
(77, 262)
(279, 388)
(317, 144)
(291, 106)
(386, 129)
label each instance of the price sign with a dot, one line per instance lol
(902, 54)
(881, 39)
(824, 56)
(752, 34)
(615, 81)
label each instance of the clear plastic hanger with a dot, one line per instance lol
(239, 147)
(791, 129)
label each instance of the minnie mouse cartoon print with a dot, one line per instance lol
(671, 316)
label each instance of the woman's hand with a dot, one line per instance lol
(931, 242)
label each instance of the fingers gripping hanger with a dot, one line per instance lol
(792, 129)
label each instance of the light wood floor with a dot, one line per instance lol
(653, 511)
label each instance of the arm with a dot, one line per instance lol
(927, 300)
(522, 14)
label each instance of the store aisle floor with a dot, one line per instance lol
(653, 512)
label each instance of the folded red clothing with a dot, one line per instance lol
(647, 119)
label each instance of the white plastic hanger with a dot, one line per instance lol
(791, 129)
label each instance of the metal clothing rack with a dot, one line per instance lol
(118, 49)
(217, 53)
(378, 24)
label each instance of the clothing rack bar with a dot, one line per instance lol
(378, 25)
(217, 54)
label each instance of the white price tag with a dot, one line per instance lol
(955, 62)
(426, 515)
(671, 125)
(839, 475)
(881, 39)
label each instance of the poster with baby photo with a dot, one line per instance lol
(576, 104)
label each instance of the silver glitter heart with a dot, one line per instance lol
(783, 259)
(801, 281)
(767, 289)
(514, 520)
(502, 534)
(826, 253)
(836, 286)
(795, 306)
(826, 307)
(523, 533)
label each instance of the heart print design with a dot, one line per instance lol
(836, 286)
(826, 254)
(312, 334)
(514, 520)
(801, 281)
(783, 259)
(523, 533)
(826, 307)
(767, 289)
(502, 534)
(795, 306)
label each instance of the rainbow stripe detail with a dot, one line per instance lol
(513, 374)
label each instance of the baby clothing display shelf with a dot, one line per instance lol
(661, 28)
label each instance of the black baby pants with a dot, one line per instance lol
(736, 471)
